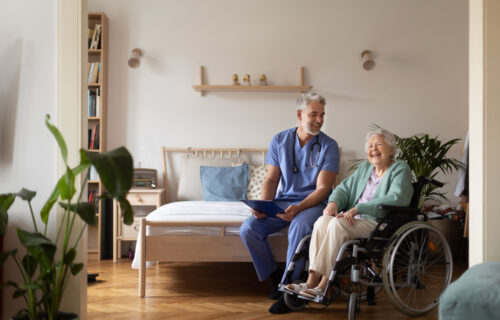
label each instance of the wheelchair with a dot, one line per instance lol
(407, 257)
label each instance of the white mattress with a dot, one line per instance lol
(186, 211)
(207, 211)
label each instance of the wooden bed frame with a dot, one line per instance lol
(219, 248)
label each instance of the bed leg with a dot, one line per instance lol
(142, 267)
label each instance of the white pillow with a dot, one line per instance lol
(189, 181)
(257, 176)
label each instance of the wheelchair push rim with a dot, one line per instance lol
(418, 266)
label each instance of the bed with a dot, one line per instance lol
(188, 229)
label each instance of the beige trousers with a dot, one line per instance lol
(328, 235)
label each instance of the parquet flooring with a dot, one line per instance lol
(206, 291)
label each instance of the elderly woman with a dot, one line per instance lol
(352, 210)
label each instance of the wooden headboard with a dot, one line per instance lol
(252, 155)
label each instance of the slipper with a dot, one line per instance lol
(312, 293)
(296, 287)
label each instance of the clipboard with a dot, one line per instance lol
(268, 207)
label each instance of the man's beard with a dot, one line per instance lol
(307, 128)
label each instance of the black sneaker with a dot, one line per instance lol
(279, 307)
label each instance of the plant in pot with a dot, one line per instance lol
(46, 264)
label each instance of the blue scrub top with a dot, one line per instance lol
(310, 161)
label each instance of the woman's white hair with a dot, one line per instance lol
(304, 99)
(389, 138)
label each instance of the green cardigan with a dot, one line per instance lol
(395, 189)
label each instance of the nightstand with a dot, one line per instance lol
(122, 232)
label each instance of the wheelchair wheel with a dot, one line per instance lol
(417, 268)
(293, 302)
(352, 307)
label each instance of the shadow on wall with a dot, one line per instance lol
(9, 92)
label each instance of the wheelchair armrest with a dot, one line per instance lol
(404, 210)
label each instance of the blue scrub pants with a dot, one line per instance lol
(254, 234)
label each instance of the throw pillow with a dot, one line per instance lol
(224, 183)
(189, 187)
(257, 176)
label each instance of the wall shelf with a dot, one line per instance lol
(202, 87)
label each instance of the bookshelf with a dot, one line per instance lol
(96, 120)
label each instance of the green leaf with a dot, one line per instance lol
(128, 215)
(5, 255)
(115, 170)
(31, 239)
(42, 249)
(26, 195)
(67, 185)
(18, 293)
(76, 268)
(6, 201)
(85, 210)
(44, 213)
(30, 285)
(59, 138)
(69, 256)
(29, 265)
(9, 283)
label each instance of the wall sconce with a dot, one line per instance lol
(368, 63)
(134, 61)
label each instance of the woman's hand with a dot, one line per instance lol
(349, 216)
(258, 215)
(331, 209)
(290, 213)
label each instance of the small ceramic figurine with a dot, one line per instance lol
(236, 82)
(246, 80)
(263, 80)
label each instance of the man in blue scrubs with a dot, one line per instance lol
(302, 164)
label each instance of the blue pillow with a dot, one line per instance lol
(224, 183)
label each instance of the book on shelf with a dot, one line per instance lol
(91, 71)
(94, 102)
(95, 72)
(93, 199)
(98, 102)
(90, 34)
(99, 73)
(94, 138)
(93, 175)
(96, 35)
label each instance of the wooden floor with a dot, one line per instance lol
(206, 291)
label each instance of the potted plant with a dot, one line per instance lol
(46, 264)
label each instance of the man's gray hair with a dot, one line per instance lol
(304, 99)
(389, 138)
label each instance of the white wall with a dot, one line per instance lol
(419, 83)
(27, 93)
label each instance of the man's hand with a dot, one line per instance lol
(258, 215)
(331, 209)
(349, 216)
(290, 213)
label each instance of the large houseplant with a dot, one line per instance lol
(46, 264)
(427, 157)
